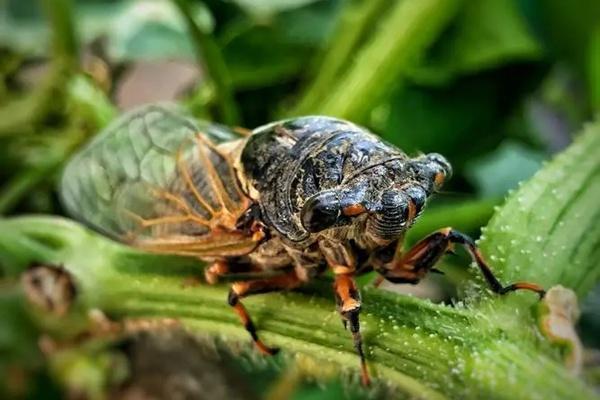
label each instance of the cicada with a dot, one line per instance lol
(268, 209)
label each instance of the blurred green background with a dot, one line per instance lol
(497, 86)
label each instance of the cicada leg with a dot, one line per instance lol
(242, 289)
(348, 303)
(215, 271)
(411, 266)
(342, 262)
(222, 270)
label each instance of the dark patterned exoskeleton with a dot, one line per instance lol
(269, 209)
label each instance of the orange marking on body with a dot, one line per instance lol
(344, 285)
(258, 232)
(354, 210)
(412, 210)
(440, 177)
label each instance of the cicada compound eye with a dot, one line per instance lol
(320, 212)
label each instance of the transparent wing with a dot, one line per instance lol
(156, 179)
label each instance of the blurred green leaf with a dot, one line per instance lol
(22, 372)
(379, 65)
(266, 53)
(150, 29)
(567, 27)
(593, 69)
(485, 34)
(88, 102)
(22, 27)
(252, 64)
(500, 171)
(462, 120)
(266, 8)
(589, 323)
(133, 30)
(569, 30)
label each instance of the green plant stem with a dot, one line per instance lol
(356, 20)
(427, 350)
(210, 57)
(65, 44)
(400, 36)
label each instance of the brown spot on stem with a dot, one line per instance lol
(558, 316)
(49, 287)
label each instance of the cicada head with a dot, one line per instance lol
(382, 201)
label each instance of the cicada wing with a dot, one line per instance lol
(155, 178)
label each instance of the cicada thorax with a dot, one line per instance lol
(162, 181)
(288, 162)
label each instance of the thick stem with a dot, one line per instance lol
(429, 350)
(64, 38)
(356, 20)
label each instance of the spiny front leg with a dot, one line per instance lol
(243, 289)
(342, 262)
(412, 266)
(348, 303)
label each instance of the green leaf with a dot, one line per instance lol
(22, 28)
(266, 53)
(549, 230)
(267, 8)
(500, 171)
(254, 65)
(403, 33)
(593, 69)
(473, 110)
(149, 29)
(485, 34)
(88, 102)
